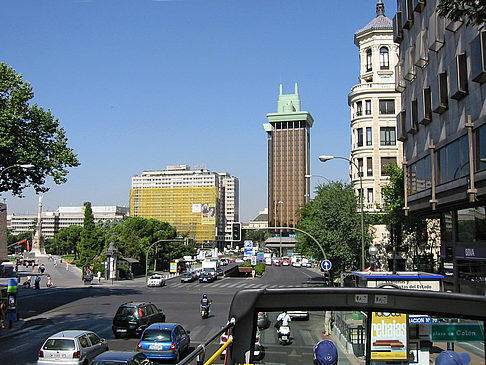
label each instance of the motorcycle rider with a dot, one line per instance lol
(284, 318)
(205, 302)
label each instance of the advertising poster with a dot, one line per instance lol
(388, 336)
(196, 208)
(173, 267)
(208, 214)
(248, 248)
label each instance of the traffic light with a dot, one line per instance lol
(236, 231)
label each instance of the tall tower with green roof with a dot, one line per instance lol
(288, 132)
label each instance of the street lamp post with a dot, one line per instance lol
(23, 166)
(325, 158)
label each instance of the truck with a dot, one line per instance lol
(28, 258)
(210, 266)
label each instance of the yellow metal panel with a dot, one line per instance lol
(175, 206)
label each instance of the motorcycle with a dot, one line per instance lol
(204, 311)
(283, 334)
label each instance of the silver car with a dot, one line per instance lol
(72, 347)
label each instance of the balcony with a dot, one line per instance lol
(375, 86)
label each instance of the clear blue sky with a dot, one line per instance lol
(141, 84)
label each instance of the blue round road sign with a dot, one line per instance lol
(326, 265)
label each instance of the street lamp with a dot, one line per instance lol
(373, 251)
(325, 158)
(23, 166)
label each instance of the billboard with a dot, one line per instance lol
(388, 336)
(208, 214)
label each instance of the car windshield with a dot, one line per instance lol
(60, 344)
(125, 312)
(156, 277)
(394, 337)
(157, 335)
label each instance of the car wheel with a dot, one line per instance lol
(117, 335)
(177, 358)
(163, 319)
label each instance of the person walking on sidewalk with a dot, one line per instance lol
(37, 281)
(3, 312)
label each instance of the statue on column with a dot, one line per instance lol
(38, 240)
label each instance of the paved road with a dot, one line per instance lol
(72, 305)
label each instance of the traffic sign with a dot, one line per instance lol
(326, 265)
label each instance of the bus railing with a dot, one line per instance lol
(199, 352)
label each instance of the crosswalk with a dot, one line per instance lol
(229, 283)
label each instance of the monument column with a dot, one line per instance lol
(38, 241)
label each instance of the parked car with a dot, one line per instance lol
(262, 320)
(277, 263)
(156, 280)
(164, 341)
(206, 277)
(133, 317)
(224, 261)
(78, 347)
(188, 277)
(122, 358)
(302, 315)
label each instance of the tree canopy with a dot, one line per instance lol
(334, 219)
(29, 135)
(470, 11)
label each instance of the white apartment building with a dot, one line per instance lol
(230, 193)
(63, 217)
(374, 104)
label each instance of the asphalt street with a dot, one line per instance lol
(73, 305)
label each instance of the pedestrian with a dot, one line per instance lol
(452, 358)
(325, 353)
(42, 268)
(37, 281)
(49, 281)
(3, 312)
(327, 323)
(67, 266)
(54, 262)
(98, 274)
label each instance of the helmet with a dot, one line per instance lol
(205, 296)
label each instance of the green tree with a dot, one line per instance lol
(334, 219)
(409, 234)
(92, 238)
(29, 134)
(67, 240)
(135, 236)
(469, 11)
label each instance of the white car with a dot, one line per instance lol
(156, 280)
(72, 347)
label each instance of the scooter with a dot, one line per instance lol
(283, 334)
(204, 311)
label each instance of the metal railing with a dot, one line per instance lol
(200, 351)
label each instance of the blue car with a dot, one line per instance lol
(164, 341)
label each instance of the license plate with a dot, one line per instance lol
(121, 330)
(156, 346)
(284, 337)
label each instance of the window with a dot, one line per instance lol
(359, 109)
(407, 14)
(387, 136)
(360, 167)
(368, 60)
(478, 58)
(386, 161)
(360, 137)
(384, 60)
(458, 77)
(387, 106)
(369, 166)
(369, 137)
(441, 103)
(414, 116)
(369, 195)
(368, 107)
(427, 107)
(397, 27)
